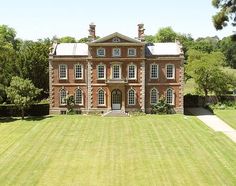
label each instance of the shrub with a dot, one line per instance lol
(161, 107)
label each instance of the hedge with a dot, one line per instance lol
(9, 110)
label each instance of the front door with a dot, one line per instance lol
(116, 99)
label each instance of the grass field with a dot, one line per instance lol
(92, 150)
(229, 116)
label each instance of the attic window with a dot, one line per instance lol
(116, 40)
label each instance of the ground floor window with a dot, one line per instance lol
(62, 97)
(153, 96)
(78, 97)
(101, 97)
(131, 97)
(170, 96)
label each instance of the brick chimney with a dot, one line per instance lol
(141, 32)
(92, 32)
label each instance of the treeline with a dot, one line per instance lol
(29, 59)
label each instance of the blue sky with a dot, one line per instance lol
(45, 18)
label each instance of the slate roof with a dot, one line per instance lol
(163, 49)
(71, 49)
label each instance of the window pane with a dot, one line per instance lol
(116, 71)
(101, 97)
(153, 96)
(101, 70)
(116, 52)
(63, 71)
(131, 97)
(154, 71)
(169, 71)
(131, 52)
(63, 97)
(101, 52)
(169, 96)
(131, 71)
(78, 71)
(78, 97)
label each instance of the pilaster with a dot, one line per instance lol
(142, 79)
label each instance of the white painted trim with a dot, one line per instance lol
(173, 96)
(150, 71)
(120, 69)
(60, 103)
(82, 92)
(157, 94)
(103, 50)
(101, 64)
(135, 71)
(135, 52)
(113, 52)
(173, 75)
(82, 71)
(101, 89)
(59, 72)
(134, 96)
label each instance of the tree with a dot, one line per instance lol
(166, 34)
(22, 93)
(228, 47)
(226, 14)
(67, 39)
(206, 71)
(32, 63)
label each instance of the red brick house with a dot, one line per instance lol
(116, 72)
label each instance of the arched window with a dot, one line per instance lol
(62, 97)
(101, 97)
(131, 97)
(153, 96)
(79, 97)
(170, 96)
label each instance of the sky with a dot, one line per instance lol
(33, 19)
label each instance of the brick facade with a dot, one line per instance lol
(117, 90)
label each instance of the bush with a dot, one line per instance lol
(10, 110)
(161, 107)
(223, 105)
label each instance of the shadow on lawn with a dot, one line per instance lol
(27, 118)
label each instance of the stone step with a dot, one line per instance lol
(116, 113)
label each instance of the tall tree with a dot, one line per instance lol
(22, 93)
(166, 34)
(226, 14)
(32, 63)
(206, 71)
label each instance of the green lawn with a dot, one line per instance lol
(229, 116)
(92, 150)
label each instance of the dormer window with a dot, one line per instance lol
(101, 52)
(131, 52)
(116, 40)
(116, 52)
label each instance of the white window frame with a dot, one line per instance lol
(82, 97)
(151, 77)
(173, 96)
(103, 51)
(135, 52)
(60, 96)
(82, 71)
(104, 74)
(157, 96)
(66, 69)
(128, 96)
(104, 97)
(173, 71)
(112, 70)
(115, 40)
(113, 52)
(135, 71)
